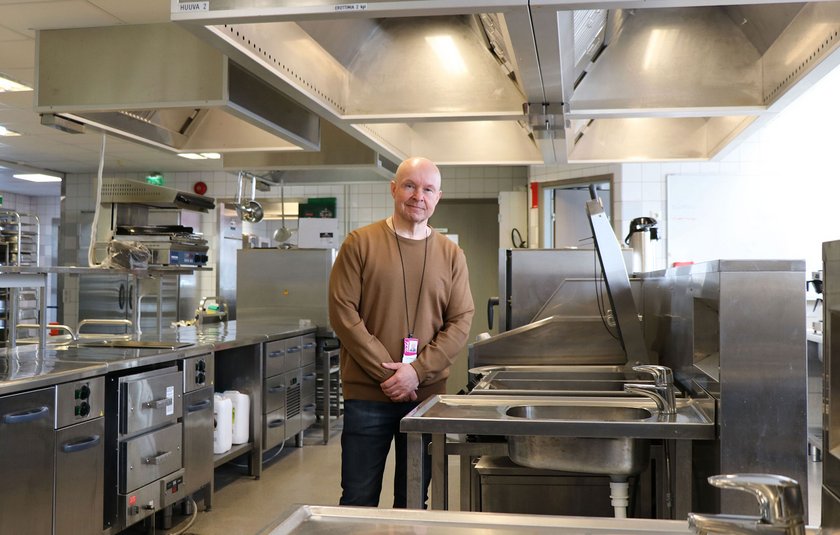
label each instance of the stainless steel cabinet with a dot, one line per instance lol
(27, 462)
(288, 388)
(79, 478)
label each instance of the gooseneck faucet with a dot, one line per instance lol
(661, 391)
(779, 503)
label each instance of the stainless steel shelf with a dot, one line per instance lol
(232, 453)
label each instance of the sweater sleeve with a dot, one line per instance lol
(439, 354)
(345, 296)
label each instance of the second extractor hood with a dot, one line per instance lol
(533, 81)
(160, 85)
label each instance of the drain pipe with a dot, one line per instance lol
(620, 495)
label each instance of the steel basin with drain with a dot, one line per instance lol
(619, 456)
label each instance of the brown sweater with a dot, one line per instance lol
(368, 308)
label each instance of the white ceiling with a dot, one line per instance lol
(46, 148)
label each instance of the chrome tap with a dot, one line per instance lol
(661, 391)
(779, 504)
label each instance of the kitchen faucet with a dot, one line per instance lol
(779, 502)
(662, 390)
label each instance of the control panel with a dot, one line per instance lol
(198, 372)
(187, 258)
(171, 488)
(79, 401)
(140, 504)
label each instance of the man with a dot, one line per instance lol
(401, 306)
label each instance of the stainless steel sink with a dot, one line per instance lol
(611, 456)
(606, 413)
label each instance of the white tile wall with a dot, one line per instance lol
(357, 204)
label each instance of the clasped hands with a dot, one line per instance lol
(402, 386)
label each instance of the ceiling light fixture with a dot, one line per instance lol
(37, 177)
(7, 133)
(201, 156)
(8, 84)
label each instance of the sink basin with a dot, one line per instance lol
(579, 412)
(135, 344)
(620, 456)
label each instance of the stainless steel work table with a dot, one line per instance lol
(238, 360)
(309, 520)
(238, 348)
(486, 415)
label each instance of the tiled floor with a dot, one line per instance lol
(311, 475)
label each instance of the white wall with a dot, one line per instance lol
(357, 204)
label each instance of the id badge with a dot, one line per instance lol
(409, 350)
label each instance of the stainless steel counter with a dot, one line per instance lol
(27, 371)
(488, 415)
(309, 519)
(26, 367)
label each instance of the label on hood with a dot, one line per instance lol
(350, 7)
(185, 7)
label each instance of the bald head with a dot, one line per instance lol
(416, 192)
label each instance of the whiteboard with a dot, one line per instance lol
(710, 217)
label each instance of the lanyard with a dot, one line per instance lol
(405, 285)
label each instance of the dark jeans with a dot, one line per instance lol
(369, 428)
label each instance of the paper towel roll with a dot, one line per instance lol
(222, 424)
(241, 415)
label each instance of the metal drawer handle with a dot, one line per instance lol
(157, 458)
(81, 444)
(275, 354)
(276, 389)
(309, 345)
(309, 407)
(203, 404)
(309, 376)
(28, 415)
(157, 403)
(276, 423)
(293, 349)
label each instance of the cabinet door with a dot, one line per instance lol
(79, 478)
(27, 462)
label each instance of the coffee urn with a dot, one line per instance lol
(643, 231)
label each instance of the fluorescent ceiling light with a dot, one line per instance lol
(448, 53)
(6, 132)
(202, 156)
(7, 84)
(37, 177)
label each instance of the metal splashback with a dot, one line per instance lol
(531, 81)
(576, 334)
(537, 283)
(159, 85)
(734, 330)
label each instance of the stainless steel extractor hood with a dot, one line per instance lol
(532, 81)
(342, 158)
(125, 191)
(160, 85)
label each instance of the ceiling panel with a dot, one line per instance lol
(7, 34)
(27, 18)
(17, 54)
(146, 11)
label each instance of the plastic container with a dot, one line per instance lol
(241, 415)
(222, 424)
